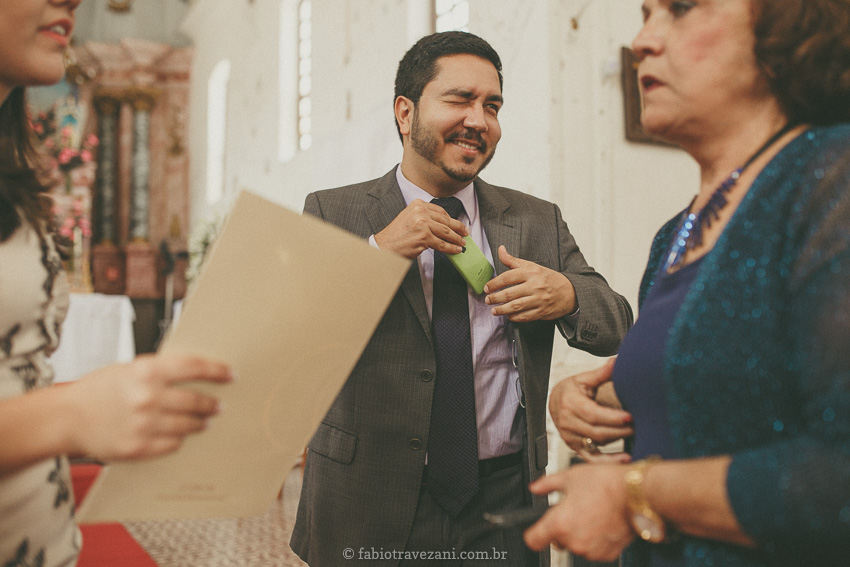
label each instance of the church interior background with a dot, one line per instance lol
(170, 108)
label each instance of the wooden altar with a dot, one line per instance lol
(134, 95)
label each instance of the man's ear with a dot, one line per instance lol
(404, 109)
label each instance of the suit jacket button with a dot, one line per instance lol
(415, 444)
(588, 335)
(426, 375)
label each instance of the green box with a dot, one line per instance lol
(473, 266)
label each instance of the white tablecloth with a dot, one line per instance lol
(97, 331)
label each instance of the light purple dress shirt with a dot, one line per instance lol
(497, 389)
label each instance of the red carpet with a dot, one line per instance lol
(105, 545)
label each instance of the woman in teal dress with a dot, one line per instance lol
(737, 372)
(129, 411)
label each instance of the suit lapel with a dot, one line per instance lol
(387, 204)
(500, 226)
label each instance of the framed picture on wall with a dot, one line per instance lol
(631, 101)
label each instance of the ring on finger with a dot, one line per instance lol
(590, 445)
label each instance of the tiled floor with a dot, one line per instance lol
(231, 542)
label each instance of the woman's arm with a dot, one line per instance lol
(692, 498)
(127, 411)
(592, 518)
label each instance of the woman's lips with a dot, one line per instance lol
(648, 82)
(59, 31)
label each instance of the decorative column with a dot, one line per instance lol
(143, 101)
(106, 105)
(107, 258)
(142, 257)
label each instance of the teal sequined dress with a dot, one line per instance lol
(758, 361)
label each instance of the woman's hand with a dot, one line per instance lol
(591, 519)
(139, 410)
(584, 416)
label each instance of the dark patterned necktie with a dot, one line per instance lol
(453, 439)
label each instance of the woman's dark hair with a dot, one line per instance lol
(21, 192)
(803, 48)
(418, 67)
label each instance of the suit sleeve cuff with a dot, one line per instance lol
(568, 323)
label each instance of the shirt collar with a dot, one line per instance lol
(410, 192)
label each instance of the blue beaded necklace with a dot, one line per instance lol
(689, 235)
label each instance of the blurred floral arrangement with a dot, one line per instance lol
(64, 154)
(69, 168)
(200, 241)
(74, 218)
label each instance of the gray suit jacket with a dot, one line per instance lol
(364, 465)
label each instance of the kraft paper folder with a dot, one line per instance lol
(290, 302)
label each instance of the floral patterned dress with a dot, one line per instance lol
(37, 527)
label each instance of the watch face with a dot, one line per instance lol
(648, 528)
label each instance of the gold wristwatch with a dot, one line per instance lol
(645, 521)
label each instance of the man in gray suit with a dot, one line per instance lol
(387, 478)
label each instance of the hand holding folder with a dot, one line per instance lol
(268, 303)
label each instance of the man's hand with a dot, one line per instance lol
(421, 226)
(529, 292)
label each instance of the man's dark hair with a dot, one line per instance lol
(418, 67)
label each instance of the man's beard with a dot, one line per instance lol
(427, 144)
